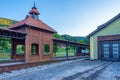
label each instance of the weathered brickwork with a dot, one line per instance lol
(40, 37)
(38, 34)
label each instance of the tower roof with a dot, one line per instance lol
(34, 10)
(32, 20)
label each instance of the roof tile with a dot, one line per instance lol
(34, 23)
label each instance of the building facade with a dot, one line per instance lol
(39, 36)
(105, 41)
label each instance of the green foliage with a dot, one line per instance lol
(33, 49)
(4, 22)
(20, 49)
(46, 48)
(61, 52)
(5, 55)
(82, 40)
(57, 36)
(55, 48)
(67, 37)
(4, 44)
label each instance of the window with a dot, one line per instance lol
(20, 49)
(115, 48)
(106, 50)
(46, 49)
(34, 49)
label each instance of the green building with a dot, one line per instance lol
(105, 41)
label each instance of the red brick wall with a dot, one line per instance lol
(37, 37)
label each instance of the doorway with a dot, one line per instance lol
(110, 50)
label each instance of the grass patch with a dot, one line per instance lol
(62, 53)
(4, 61)
(4, 55)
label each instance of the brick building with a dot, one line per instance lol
(39, 36)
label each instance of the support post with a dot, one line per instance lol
(74, 51)
(12, 49)
(25, 49)
(67, 50)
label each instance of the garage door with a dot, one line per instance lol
(111, 50)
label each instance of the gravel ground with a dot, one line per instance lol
(68, 70)
(112, 72)
(56, 71)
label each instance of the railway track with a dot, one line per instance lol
(9, 68)
(90, 74)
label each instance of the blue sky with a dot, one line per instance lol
(73, 17)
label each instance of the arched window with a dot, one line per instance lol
(46, 49)
(34, 49)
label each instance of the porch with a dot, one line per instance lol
(9, 41)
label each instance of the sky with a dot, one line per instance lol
(72, 17)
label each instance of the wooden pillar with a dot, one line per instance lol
(13, 48)
(55, 44)
(24, 50)
(67, 50)
(74, 50)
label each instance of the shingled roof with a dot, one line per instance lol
(103, 25)
(33, 21)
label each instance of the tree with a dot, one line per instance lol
(57, 36)
(4, 44)
(82, 41)
(55, 48)
(46, 48)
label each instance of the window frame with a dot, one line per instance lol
(36, 49)
(46, 53)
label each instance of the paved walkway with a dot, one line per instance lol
(55, 71)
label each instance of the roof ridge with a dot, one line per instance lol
(34, 23)
(46, 25)
(104, 25)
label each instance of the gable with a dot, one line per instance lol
(101, 27)
(111, 29)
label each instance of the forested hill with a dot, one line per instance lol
(78, 39)
(4, 22)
